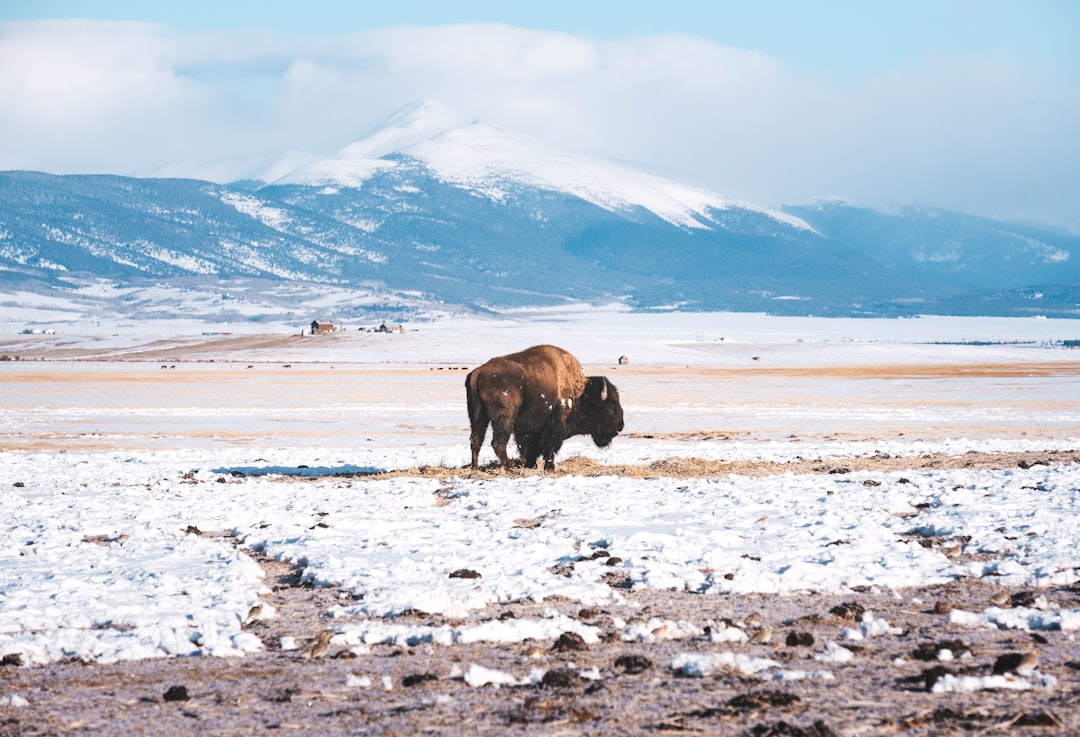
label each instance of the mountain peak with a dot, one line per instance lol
(490, 161)
(408, 125)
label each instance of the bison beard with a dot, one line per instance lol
(541, 397)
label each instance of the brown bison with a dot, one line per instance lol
(541, 397)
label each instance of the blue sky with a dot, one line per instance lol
(964, 104)
(842, 38)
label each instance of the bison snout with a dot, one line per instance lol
(603, 440)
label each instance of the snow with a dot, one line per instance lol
(410, 124)
(13, 701)
(374, 631)
(1020, 618)
(492, 162)
(949, 683)
(342, 172)
(835, 653)
(702, 665)
(108, 495)
(869, 627)
(272, 217)
(477, 676)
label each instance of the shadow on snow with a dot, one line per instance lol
(345, 471)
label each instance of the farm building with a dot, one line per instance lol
(321, 326)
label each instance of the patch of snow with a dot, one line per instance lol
(949, 683)
(1019, 618)
(257, 209)
(656, 630)
(720, 632)
(701, 665)
(835, 653)
(372, 632)
(803, 675)
(351, 173)
(477, 676)
(869, 628)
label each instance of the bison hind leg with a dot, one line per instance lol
(499, 439)
(501, 430)
(476, 442)
(478, 424)
(478, 419)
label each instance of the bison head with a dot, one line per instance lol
(603, 414)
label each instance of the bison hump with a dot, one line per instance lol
(571, 377)
(551, 362)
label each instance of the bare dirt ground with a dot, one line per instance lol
(884, 690)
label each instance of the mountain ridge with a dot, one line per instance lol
(461, 213)
(484, 157)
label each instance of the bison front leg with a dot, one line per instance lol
(549, 461)
(551, 440)
(528, 448)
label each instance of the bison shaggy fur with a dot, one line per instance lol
(540, 396)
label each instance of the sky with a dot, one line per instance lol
(968, 105)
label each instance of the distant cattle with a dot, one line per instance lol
(541, 397)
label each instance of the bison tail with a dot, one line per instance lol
(472, 397)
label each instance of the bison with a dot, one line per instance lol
(541, 397)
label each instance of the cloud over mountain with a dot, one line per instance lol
(985, 133)
(466, 213)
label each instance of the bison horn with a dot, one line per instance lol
(603, 392)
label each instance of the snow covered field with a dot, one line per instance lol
(113, 474)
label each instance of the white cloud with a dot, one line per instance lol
(51, 72)
(991, 135)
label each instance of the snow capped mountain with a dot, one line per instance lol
(333, 173)
(409, 125)
(491, 161)
(432, 208)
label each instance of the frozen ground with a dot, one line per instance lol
(597, 336)
(112, 469)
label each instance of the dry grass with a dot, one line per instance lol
(679, 467)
